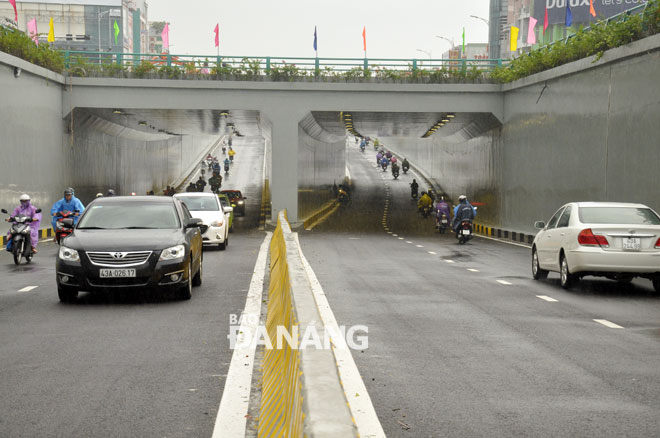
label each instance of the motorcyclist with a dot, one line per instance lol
(376, 142)
(215, 181)
(191, 187)
(393, 159)
(26, 209)
(384, 162)
(379, 156)
(227, 163)
(405, 165)
(395, 168)
(68, 203)
(99, 195)
(463, 211)
(413, 188)
(424, 202)
(231, 154)
(229, 142)
(200, 184)
(216, 167)
(442, 208)
(388, 154)
(110, 193)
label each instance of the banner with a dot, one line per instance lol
(166, 37)
(32, 30)
(217, 35)
(514, 38)
(581, 9)
(531, 36)
(51, 31)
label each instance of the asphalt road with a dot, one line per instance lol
(124, 364)
(459, 343)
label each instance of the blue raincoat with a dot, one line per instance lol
(63, 205)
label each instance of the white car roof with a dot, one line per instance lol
(610, 204)
(198, 194)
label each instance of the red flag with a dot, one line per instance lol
(592, 11)
(545, 22)
(364, 37)
(217, 35)
(13, 3)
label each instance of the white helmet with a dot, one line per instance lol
(462, 198)
(99, 195)
(24, 197)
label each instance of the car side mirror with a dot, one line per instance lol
(227, 209)
(38, 210)
(194, 223)
(539, 225)
(67, 222)
(4, 211)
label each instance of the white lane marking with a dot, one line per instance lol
(389, 232)
(503, 282)
(607, 323)
(353, 238)
(432, 253)
(395, 235)
(450, 261)
(547, 298)
(419, 246)
(232, 413)
(400, 238)
(28, 288)
(357, 396)
(408, 241)
(472, 270)
(503, 241)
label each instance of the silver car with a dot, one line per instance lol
(619, 241)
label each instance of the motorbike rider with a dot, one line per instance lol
(227, 163)
(379, 156)
(414, 187)
(463, 211)
(231, 154)
(405, 165)
(384, 162)
(110, 192)
(200, 184)
(215, 181)
(191, 187)
(424, 202)
(68, 203)
(393, 159)
(26, 209)
(395, 168)
(442, 208)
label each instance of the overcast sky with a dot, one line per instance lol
(285, 28)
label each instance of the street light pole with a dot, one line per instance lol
(429, 54)
(482, 19)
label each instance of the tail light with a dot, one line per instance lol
(588, 238)
(657, 244)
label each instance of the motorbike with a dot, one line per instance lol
(226, 168)
(21, 243)
(426, 211)
(395, 172)
(442, 223)
(413, 194)
(464, 231)
(343, 198)
(384, 166)
(224, 150)
(362, 147)
(61, 231)
(405, 169)
(231, 158)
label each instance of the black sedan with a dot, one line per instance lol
(131, 242)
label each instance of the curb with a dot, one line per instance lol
(499, 233)
(313, 219)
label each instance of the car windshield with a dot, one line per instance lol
(130, 215)
(199, 203)
(618, 215)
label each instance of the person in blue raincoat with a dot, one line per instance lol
(68, 203)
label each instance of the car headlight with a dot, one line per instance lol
(173, 253)
(68, 254)
(240, 202)
(216, 223)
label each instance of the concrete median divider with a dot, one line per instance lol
(302, 394)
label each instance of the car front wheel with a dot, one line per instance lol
(537, 272)
(185, 293)
(566, 278)
(656, 284)
(67, 295)
(197, 279)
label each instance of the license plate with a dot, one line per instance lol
(466, 232)
(632, 244)
(117, 273)
(444, 221)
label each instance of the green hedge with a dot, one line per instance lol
(20, 45)
(594, 41)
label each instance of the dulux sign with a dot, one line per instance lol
(580, 9)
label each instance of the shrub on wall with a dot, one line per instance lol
(18, 44)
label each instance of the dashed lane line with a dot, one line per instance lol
(450, 261)
(607, 323)
(28, 288)
(432, 253)
(419, 246)
(547, 298)
(504, 282)
(472, 270)
(408, 241)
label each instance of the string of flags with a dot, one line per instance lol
(531, 34)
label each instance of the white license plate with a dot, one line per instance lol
(117, 273)
(632, 243)
(466, 232)
(444, 221)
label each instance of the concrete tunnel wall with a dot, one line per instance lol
(594, 135)
(321, 162)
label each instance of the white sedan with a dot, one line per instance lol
(207, 207)
(619, 241)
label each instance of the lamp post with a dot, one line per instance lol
(482, 19)
(111, 13)
(429, 54)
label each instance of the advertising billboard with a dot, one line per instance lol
(580, 9)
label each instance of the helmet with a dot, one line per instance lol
(99, 195)
(110, 192)
(24, 197)
(68, 191)
(462, 198)
(423, 193)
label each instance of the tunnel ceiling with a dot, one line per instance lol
(177, 122)
(391, 124)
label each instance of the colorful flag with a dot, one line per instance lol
(364, 37)
(463, 53)
(514, 38)
(545, 23)
(569, 16)
(315, 40)
(51, 31)
(592, 11)
(217, 35)
(166, 37)
(116, 26)
(32, 30)
(13, 3)
(531, 36)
